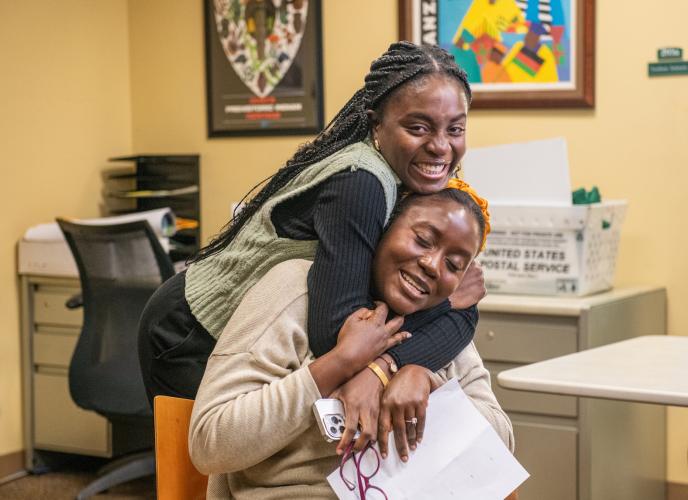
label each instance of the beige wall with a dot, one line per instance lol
(65, 107)
(632, 145)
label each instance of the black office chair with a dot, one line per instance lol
(120, 266)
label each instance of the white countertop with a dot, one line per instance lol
(649, 369)
(556, 306)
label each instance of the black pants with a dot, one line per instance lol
(173, 346)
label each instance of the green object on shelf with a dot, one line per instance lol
(583, 197)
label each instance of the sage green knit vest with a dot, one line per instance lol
(216, 284)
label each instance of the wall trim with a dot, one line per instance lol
(11, 464)
(677, 491)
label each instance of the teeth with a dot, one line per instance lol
(408, 280)
(431, 168)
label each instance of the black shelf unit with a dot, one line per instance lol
(159, 181)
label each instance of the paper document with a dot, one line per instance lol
(531, 173)
(461, 456)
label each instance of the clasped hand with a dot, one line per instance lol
(364, 336)
(376, 412)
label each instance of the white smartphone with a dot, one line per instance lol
(329, 413)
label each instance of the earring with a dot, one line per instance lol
(376, 144)
(457, 169)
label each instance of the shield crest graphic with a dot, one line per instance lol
(260, 38)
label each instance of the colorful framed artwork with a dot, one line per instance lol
(517, 53)
(263, 67)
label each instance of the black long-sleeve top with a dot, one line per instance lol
(346, 214)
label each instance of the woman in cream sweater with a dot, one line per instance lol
(252, 428)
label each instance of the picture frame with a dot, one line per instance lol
(264, 72)
(530, 54)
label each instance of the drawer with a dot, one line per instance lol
(530, 402)
(550, 454)
(522, 338)
(61, 425)
(53, 346)
(49, 309)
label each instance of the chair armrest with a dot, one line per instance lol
(75, 301)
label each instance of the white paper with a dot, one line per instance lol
(530, 173)
(461, 456)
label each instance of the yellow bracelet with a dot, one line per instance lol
(380, 374)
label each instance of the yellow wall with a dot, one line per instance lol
(74, 89)
(632, 145)
(65, 94)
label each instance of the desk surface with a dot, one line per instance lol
(649, 369)
(558, 306)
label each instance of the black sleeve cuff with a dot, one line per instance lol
(438, 343)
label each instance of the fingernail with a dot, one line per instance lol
(413, 446)
(384, 455)
(404, 458)
(339, 452)
(418, 440)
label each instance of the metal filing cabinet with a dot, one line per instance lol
(49, 333)
(577, 448)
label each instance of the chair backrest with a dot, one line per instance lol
(176, 477)
(120, 266)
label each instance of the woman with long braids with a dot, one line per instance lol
(404, 131)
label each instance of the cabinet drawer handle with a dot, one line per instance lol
(490, 335)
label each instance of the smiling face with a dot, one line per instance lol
(421, 132)
(423, 256)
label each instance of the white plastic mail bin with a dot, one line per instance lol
(566, 250)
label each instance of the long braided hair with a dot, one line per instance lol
(402, 63)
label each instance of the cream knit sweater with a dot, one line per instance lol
(252, 428)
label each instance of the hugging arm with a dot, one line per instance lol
(349, 221)
(439, 341)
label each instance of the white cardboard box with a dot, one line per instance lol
(553, 251)
(541, 243)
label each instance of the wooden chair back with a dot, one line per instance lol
(177, 478)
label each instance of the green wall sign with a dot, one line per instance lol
(670, 53)
(670, 63)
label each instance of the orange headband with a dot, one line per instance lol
(455, 183)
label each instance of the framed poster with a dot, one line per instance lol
(263, 67)
(517, 53)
